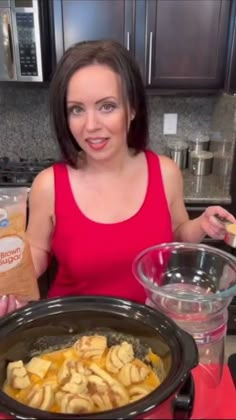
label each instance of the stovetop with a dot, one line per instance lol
(21, 173)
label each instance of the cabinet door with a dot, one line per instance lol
(97, 19)
(186, 43)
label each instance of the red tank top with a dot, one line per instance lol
(96, 258)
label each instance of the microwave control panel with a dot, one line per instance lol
(27, 45)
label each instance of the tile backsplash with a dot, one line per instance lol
(194, 113)
(25, 128)
(24, 123)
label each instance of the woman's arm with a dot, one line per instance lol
(186, 230)
(41, 214)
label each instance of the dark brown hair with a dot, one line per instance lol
(114, 55)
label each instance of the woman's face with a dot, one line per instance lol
(96, 111)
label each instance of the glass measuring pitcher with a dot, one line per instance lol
(193, 284)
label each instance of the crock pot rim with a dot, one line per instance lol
(129, 411)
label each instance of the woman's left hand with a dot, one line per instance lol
(9, 304)
(211, 226)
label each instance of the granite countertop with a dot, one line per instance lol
(206, 189)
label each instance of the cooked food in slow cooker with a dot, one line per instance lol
(88, 377)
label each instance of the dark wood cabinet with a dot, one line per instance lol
(80, 20)
(178, 44)
(186, 43)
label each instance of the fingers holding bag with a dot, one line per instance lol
(9, 304)
(3, 305)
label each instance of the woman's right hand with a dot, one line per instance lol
(9, 303)
(210, 225)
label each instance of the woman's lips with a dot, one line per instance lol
(97, 143)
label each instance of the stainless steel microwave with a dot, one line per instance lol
(24, 40)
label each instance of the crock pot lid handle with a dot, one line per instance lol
(190, 350)
(182, 405)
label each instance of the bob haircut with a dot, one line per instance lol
(115, 56)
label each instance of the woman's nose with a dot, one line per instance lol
(92, 121)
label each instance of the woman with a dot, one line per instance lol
(111, 198)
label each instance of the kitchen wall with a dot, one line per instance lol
(194, 113)
(25, 127)
(206, 114)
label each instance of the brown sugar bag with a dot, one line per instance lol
(17, 275)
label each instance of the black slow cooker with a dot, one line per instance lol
(51, 323)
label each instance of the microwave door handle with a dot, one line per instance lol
(7, 45)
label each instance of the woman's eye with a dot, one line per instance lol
(75, 110)
(108, 107)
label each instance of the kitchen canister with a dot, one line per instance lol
(198, 142)
(178, 151)
(222, 143)
(222, 164)
(201, 162)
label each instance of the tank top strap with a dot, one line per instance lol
(155, 183)
(62, 187)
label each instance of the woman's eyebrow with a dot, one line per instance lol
(97, 102)
(105, 99)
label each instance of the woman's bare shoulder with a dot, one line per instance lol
(168, 166)
(172, 179)
(43, 184)
(41, 212)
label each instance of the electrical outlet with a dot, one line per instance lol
(170, 124)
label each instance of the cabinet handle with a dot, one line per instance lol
(150, 59)
(231, 60)
(128, 41)
(232, 49)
